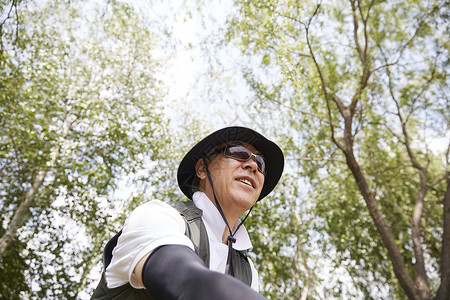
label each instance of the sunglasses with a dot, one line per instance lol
(243, 154)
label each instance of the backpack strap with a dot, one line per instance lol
(241, 266)
(107, 253)
(195, 228)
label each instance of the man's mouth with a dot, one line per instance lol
(245, 181)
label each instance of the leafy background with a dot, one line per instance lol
(99, 100)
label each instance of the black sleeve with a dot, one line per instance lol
(176, 272)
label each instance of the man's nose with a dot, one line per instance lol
(250, 164)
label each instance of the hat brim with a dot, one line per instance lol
(272, 154)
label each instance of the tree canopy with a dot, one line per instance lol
(79, 106)
(364, 88)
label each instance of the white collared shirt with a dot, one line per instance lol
(155, 224)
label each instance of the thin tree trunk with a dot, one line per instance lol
(420, 272)
(394, 254)
(305, 290)
(309, 276)
(20, 213)
(443, 292)
(24, 206)
(422, 285)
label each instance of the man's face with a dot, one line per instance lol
(237, 184)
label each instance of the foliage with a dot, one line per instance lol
(355, 91)
(79, 106)
(361, 87)
(278, 227)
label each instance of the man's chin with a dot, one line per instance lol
(246, 201)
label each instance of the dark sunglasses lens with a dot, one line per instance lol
(238, 152)
(243, 154)
(261, 164)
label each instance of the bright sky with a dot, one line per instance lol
(189, 87)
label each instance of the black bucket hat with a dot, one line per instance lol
(272, 154)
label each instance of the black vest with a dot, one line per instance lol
(196, 231)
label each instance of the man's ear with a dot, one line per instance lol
(200, 169)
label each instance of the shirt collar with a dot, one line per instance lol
(215, 224)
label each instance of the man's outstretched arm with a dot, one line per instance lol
(176, 272)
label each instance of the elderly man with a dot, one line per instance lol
(197, 249)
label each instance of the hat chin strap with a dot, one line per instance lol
(231, 239)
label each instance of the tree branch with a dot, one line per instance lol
(317, 159)
(437, 181)
(324, 87)
(420, 271)
(13, 5)
(362, 52)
